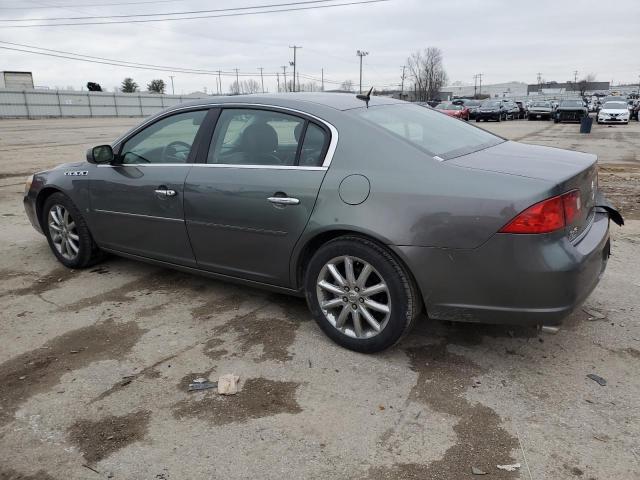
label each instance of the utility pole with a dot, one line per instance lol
(293, 64)
(475, 85)
(361, 53)
(284, 70)
(261, 78)
(322, 79)
(173, 91)
(220, 80)
(402, 83)
(278, 80)
(237, 81)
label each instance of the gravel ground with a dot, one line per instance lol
(94, 364)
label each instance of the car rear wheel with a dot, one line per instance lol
(67, 233)
(360, 295)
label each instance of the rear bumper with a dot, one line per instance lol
(511, 279)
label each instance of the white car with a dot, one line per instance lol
(614, 112)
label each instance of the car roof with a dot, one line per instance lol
(337, 101)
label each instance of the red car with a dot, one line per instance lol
(456, 111)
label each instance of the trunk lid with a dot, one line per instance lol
(563, 170)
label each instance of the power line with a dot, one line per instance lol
(138, 66)
(126, 63)
(84, 5)
(191, 12)
(237, 14)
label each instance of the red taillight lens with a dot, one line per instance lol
(572, 206)
(547, 216)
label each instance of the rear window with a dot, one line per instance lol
(436, 134)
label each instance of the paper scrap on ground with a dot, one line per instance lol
(228, 384)
(509, 468)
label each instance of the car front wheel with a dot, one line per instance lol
(67, 233)
(360, 295)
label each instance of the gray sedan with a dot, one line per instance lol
(374, 209)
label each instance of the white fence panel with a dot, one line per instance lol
(62, 103)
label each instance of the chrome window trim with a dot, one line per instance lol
(333, 143)
(216, 165)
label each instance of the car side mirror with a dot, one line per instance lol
(100, 154)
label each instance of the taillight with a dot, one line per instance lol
(547, 216)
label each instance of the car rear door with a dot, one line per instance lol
(137, 202)
(249, 199)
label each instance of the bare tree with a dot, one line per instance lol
(584, 83)
(245, 87)
(347, 86)
(427, 73)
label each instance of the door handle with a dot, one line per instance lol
(165, 192)
(284, 200)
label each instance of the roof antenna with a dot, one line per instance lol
(366, 97)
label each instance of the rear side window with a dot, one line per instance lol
(255, 137)
(432, 132)
(263, 137)
(314, 146)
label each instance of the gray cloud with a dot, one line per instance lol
(504, 39)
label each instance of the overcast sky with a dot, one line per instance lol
(505, 40)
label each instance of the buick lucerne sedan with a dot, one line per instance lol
(375, 210)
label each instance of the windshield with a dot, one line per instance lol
(430, 131)
(472, 103)
(542, 104)
(571, 103)
(492, 103)
(615, 106)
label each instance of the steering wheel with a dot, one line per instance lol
(170, 152)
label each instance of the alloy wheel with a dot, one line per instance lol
(353, 297)
(64, 234)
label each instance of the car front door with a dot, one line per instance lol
(249, 200)
(137, 201)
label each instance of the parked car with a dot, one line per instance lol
(610, 98)
(635, 113)
(540, 110)
(472, 105)
(570, 111)
(614, 112)
(375, 213)
(524, 112)
(454, 110)
(492, 110)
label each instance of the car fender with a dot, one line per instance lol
(72, 179)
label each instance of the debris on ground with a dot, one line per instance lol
(598, 379)
(228, 384)
(201, 383)
(477, 471)
(594, 314)
(509, 468)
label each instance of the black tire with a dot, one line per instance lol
(405, 300)
(88, 252)
(477, 120)
(499, 119)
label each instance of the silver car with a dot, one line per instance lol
(374, 209)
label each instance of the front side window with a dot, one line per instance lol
(263, 137)
(166, 141)
(429, 130)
